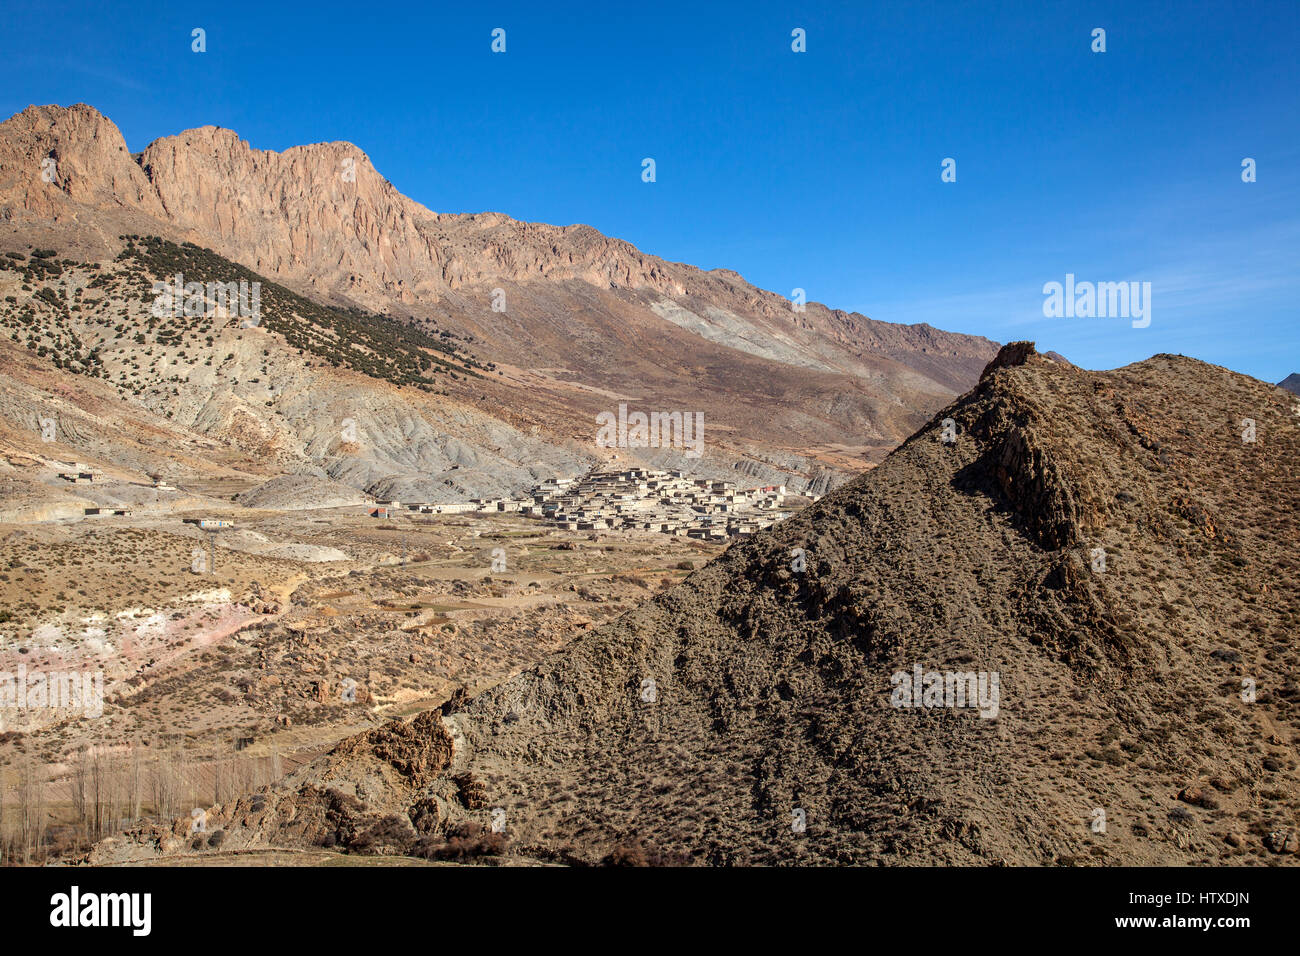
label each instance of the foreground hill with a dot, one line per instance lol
(569, 322)
(1116, 548)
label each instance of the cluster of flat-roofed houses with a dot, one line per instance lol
(79, 473)
(643, 499)
(637, 499)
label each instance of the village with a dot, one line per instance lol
(635, 499)
(668, 502)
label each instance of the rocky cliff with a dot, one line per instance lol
(582, 322)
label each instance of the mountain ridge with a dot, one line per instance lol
(585, 321)
(166, 164)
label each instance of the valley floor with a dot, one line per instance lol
(224, 670)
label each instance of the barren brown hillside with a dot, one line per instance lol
(1112, 545)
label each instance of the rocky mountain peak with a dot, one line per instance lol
(52, 157)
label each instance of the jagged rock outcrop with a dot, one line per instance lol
(91, 166)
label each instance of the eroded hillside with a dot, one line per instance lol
(1117, 548)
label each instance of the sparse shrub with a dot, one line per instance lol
(636, 853)
(465, 842)
(391, 831)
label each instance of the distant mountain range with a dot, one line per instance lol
(551, 325)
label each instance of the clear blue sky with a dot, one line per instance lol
(818, 170)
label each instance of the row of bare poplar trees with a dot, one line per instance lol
(45, 814)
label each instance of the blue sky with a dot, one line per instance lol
(818, 170)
